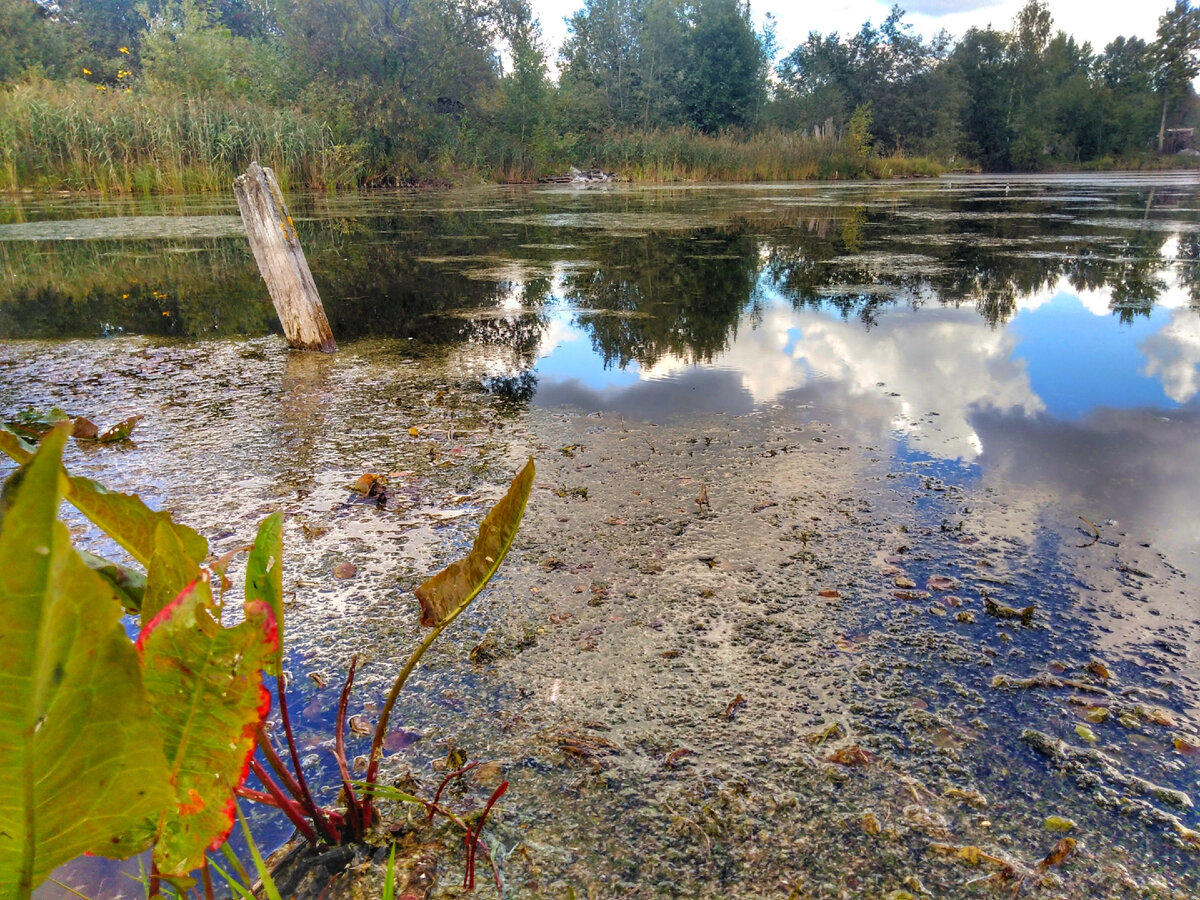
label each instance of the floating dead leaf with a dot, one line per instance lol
(853, 755)
(345, 570)
(759, 507)
(941, 583)
(1187, 745)
(360, 725)
(1058, 855)
(1086, 734)
(734, 705)
(832, 595)
(369, 484)
(870, 824)
(1096, 715)
(84, 429)
(1099, 669)
(905, 583)
(1156, 716)
(675, 757)
(414, 431)
(317, 678)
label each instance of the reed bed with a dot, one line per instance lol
(682, 154)
(56, 136)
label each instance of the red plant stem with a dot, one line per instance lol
(289, 807)
(206, 877)
(473, 836)
(155, 884)
(304, 794)
(305, 800)
(256, 796)
(445, 781)
(354, 810)
(276, 764)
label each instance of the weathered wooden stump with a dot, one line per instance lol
(281, 261)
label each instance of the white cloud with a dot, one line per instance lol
(1173, 355)
(947, 362)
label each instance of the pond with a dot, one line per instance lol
(861, 558)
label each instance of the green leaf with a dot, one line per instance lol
(205, 686)
(80, 761)
(128, 585)
(449, 592)
(170, 571)
(123, 517)
(264, 578)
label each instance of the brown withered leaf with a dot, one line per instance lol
(449, 592)
(84, 429)
(853, 755)
(1058, 855)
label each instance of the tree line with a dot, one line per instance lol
(385, 90)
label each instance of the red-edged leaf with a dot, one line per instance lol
(206, 688)
(264, 581)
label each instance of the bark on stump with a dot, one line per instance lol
(281, 261)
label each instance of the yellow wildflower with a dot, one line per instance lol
(124, 50)
(101, 87)
(87, 71)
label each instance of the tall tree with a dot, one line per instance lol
(1176, 57)
(726, 87)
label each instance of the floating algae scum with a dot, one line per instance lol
(773, 625)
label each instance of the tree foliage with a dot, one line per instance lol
(412, 88)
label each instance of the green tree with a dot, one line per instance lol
(726, 87)
(31, 39)
(1176, 57)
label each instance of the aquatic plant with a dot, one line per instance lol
(109, 746)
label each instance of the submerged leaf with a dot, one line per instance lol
(449, 592)
(80, 761)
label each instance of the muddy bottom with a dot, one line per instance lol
(728, 656)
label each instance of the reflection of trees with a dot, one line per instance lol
(667, 294)
(988, 255)
(1189, 265)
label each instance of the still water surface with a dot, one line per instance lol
(910, 407)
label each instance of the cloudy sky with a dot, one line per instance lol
(1097, 21)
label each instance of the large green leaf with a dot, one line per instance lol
(206, 688)
(170, 571)
(264, 578)
(123, 517)
(80, 760)
(449, 592)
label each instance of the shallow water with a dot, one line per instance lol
(909, 407)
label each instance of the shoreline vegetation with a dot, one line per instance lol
(70, 138)
(120, 98)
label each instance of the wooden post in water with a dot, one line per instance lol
(281, 261)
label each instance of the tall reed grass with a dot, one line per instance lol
(683, 154)
(71, 136)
